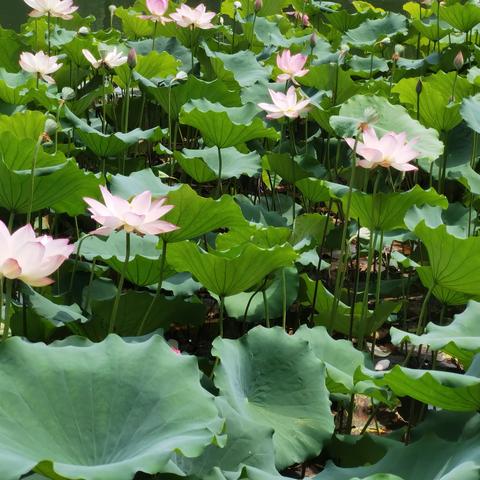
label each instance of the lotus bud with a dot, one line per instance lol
(419, 87)
(221, 21)
(112, 9)
(385, 41)
(50, 127)
(258, 5)
(458, 61)
(313, 40)
(237, 5)
(132, 58)
(82, 31)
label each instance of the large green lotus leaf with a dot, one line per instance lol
(341, 358)
(203, 165)
(371, 31)
(317, 190)
(386, 211)
(324, 303)
(343, 20)
(167, 311)
(100, 411)
(106, 145)
(238, 69)
(248, 444)
(13, 44)
(265, 237)
(28, 124)
(429, 28)
(237, 304)
(283, 165)
(451, 391)
(460, 339)
(132, 25)
(430, 457)
(18, 88)
(462, 17)
(275, 380)
(324, 77)
(391, 118)
(310, 229)
(454, 261)
(437, 110)
(470, 112)
(152, 65)
(227, 273)
(58, 184)
(174, 98)
(144, 263)
(225, 126)
(196, 215)
(269, 33)
(139, 182)
(55, 314)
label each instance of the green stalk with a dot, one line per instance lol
(113, 317)
(154, 35)
(48, 31)
(8, 302)
(284, 300)
(265, 306)
(104, 106)
(77, 259)
(221, 315)
(293, 148)
(32, 174)
(421, 321)
(220, 166)
(159, 289)
(344, 247)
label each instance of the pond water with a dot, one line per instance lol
(13, 17)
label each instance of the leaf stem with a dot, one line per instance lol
(8, 301)
(113, 317)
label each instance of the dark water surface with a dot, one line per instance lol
(14, 12)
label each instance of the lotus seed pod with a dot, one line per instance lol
(237, 5)
(113, 9)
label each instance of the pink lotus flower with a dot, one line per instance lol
(188, 17)
(140, 215)
(55, 8)
(40, 64)
(303, 17)
(29, 258)
(113, 58)
(291, 66)
(392, 150)
(285, 105)
(157, 9)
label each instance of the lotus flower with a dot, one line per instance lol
(113, 58)
(392, 150)
(285, 105)
(40, 64)
(29, 258)
(197, 17)
(54, 8)
(141, 215)
(291, 66)
(157, 9)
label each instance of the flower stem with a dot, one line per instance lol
(265, 306)
(8, 302)
(32, 174)
(284, 300)
(221, 316)
(220, 167)
(48, 32)
(344, 247)
(154, 35)
(159, 289)
(113, 317)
